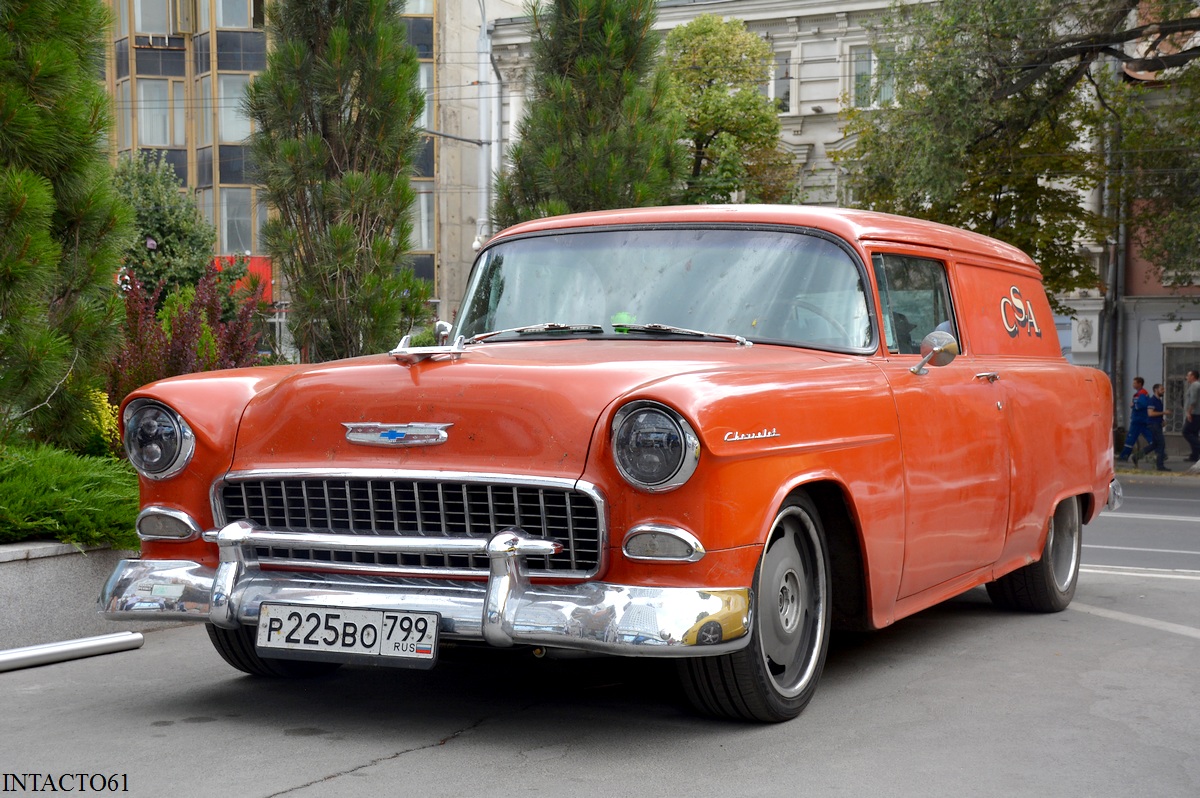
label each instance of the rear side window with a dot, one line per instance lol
(914, 298)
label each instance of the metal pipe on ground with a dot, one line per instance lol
(49, 653)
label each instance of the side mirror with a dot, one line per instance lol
(441, 332)
(937, 349)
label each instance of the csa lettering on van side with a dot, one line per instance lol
(1017, 315)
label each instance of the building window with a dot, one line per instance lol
(233, 13)
(239, 13)
(179, 109)
(204, 167)
(262, 215)
(872, 82)
(232, 158)
(202, 15)
(200, 46)
(124, 114)
(122, 18)
(1178, 360)
(235, 226)
(204, 126)
(151, 16)
(234, 125)
(426, 83)
(423, 229)
(154, 113)
(241, 51)
(420, 35)
(204, 201)
(121, 55)
(419, 7)
(779, 87)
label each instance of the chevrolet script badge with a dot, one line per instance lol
(370, 433)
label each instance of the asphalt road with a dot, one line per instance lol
(1100, 700)
(1158, 526)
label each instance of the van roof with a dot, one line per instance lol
(866, 227)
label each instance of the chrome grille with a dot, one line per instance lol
(420, 507)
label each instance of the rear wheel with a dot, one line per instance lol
(236, 646)
(776, 675)
(1047, 585)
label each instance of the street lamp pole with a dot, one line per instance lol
(482, 223)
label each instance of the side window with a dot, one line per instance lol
(914, 299)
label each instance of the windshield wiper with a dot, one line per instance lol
(534, 329)
(667, 329)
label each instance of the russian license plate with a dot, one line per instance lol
(383, 633)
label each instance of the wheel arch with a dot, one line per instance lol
(848, 575)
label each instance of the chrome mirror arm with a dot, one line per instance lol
(937, 349)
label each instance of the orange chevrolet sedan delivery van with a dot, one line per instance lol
(706, 433)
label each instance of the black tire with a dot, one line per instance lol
(1047, 585)
(236, 646)
(776, 675)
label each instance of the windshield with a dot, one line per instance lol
(768, 285)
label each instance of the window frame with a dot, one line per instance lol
(874, 88)
(888, 313)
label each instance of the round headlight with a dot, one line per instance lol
(654, 447)
(157, 439)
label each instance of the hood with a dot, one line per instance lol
(529, 406)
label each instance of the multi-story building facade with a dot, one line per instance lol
(178, 70)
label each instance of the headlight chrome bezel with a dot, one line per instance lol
(680, 470)
(169, 422)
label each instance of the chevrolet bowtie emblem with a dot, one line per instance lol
(370, 433)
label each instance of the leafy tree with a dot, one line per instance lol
(599, 133)
(62, 227)
(1007, 112)
(1161, 151)
(173, 243)
(335, 116)
(732, 128)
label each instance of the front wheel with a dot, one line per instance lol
(1047, 585)
(776, 675)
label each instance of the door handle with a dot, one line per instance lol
(990, 376)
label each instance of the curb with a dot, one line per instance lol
(1128, 474)
(49, 592)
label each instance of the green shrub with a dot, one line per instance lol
(51, 494)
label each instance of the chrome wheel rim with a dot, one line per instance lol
(791, 604)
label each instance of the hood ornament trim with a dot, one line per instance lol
(373, 433)
(408, 355)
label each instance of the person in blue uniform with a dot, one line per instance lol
(1137, 419)
(1154, 423)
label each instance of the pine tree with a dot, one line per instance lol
(599, 133)
(335, 116)
(62, 227)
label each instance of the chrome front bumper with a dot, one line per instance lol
(505, 610)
